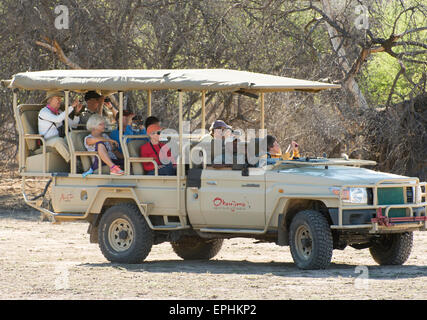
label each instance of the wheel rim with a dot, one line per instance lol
(303, 242)
(120, 235)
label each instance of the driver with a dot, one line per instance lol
(274, 152)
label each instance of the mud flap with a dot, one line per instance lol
(282, 234)
(93, 229)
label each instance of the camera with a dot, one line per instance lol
(138, 120)
(106, 100)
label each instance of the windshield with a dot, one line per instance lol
(319, 162)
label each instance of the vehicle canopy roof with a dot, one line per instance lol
(113, 80)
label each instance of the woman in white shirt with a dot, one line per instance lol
(50, 121)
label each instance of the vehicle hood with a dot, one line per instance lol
(338, 175)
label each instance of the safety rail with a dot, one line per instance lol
(128, 159)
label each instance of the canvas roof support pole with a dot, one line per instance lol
(180, 164)
(203, 112)
(120, 127)
(262, 112)
(181, 129)
(149, 103)
(66, 102)
(21, 130)
(67, 135)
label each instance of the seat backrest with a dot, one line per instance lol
(133, 147)
(77, 137)
(256, 149)
(28, 115)
(197, 157)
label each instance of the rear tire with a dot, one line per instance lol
(123, 234)
(392, 249)
(196, 248)
(310, 240)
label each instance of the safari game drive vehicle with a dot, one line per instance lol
(312, 205)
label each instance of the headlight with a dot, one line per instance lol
(352, 195)
(358, 195)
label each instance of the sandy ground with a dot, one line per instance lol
(41, 260)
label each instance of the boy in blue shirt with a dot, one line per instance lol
(127, 126)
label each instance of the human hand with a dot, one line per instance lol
(114, 143)
(294, 145)
(129, 119)
(108, 103)
(77, 105)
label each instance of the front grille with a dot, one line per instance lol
(370, 193)
(392, 196)
(409, 195)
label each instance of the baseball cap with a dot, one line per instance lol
(92, 95)
(153, 128)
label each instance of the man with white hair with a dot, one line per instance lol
(51, 122)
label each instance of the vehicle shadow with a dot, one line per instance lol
(281, 269)
(19, 213)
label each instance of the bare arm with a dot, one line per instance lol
(93, 140)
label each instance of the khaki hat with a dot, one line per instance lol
(50, 94)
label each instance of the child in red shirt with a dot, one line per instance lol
(157, 150)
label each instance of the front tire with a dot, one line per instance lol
(123, 234)
(196, 248)
(310, 240)
(392, 249)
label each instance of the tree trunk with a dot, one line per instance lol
(350, 83)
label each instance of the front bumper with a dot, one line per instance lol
(374, 221)
(375, 218)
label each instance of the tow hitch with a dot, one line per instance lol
(388, 222)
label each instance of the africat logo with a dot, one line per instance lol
(233, 205)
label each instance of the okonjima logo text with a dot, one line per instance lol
(233, 205)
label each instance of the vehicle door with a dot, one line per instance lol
(230, 199)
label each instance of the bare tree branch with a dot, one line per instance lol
(56, 48)
(401, 71)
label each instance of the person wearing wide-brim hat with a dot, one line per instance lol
(51, 94)
(51, 122)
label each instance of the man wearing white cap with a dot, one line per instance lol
(50, 122)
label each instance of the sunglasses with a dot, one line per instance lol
(156, 132)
